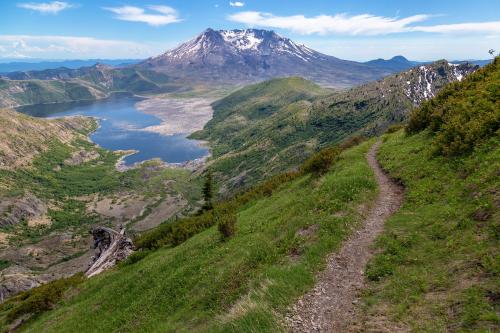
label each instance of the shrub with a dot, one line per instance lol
(40, 299)
(463, 114)
(226, 222)
(351, 142)
(394, 128)
(320, 163)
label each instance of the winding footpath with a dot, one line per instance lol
(331, 305)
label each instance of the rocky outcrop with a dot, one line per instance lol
(81, 156)
(15, 279)
(110, 247)
(29, 207)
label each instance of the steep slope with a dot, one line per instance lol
(25, 92)
(22, 138)
(242, 56)
(248, 148)
(438, 258)
(210, 285)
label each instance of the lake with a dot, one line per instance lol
(121, 128)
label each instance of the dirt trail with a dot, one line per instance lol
(331, 305)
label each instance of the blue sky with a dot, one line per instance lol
(357, 30)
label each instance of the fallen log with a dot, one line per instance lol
(110, 247)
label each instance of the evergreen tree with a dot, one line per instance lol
(207, 191)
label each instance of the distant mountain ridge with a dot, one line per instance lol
(395, 64)
(17, 66)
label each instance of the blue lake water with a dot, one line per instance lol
(120, 128)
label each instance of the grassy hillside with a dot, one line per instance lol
(242, 284)
(24, 92)
(272, 126)
(438, 267)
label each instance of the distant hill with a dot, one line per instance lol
(395, 64)
(14, 66)
(271, 126)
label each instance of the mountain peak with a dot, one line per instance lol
(249, 55)
(399, 58)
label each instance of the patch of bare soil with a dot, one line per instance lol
(125, 208)
(331, 305)
(55, 256)
(169, 207)
(178, 115)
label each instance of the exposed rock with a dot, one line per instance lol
(81, 156)
(110, 247)
(15, 279)
(14, 211)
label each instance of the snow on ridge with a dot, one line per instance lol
(241, 39)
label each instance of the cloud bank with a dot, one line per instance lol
(358, 25)
(53, 7)
(156, 16)
(69, 47)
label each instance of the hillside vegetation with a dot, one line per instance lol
(244, 283)
(438, 267)
(273, 126)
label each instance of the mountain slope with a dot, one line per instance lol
(248, 148)
(242, 56)
(85, 83)
(239, 285)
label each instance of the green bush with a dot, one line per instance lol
(320, 163)
(40, 299)
(463, 114)
(394, 128)
(226, 222)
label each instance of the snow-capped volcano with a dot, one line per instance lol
(240, 56)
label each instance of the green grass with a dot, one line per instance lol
(242, 284)
(438, 267)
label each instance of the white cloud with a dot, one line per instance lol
(161, 14)
(236, 4)
(53, 7)
(364, 24)
(70, 47)
(460, 28)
